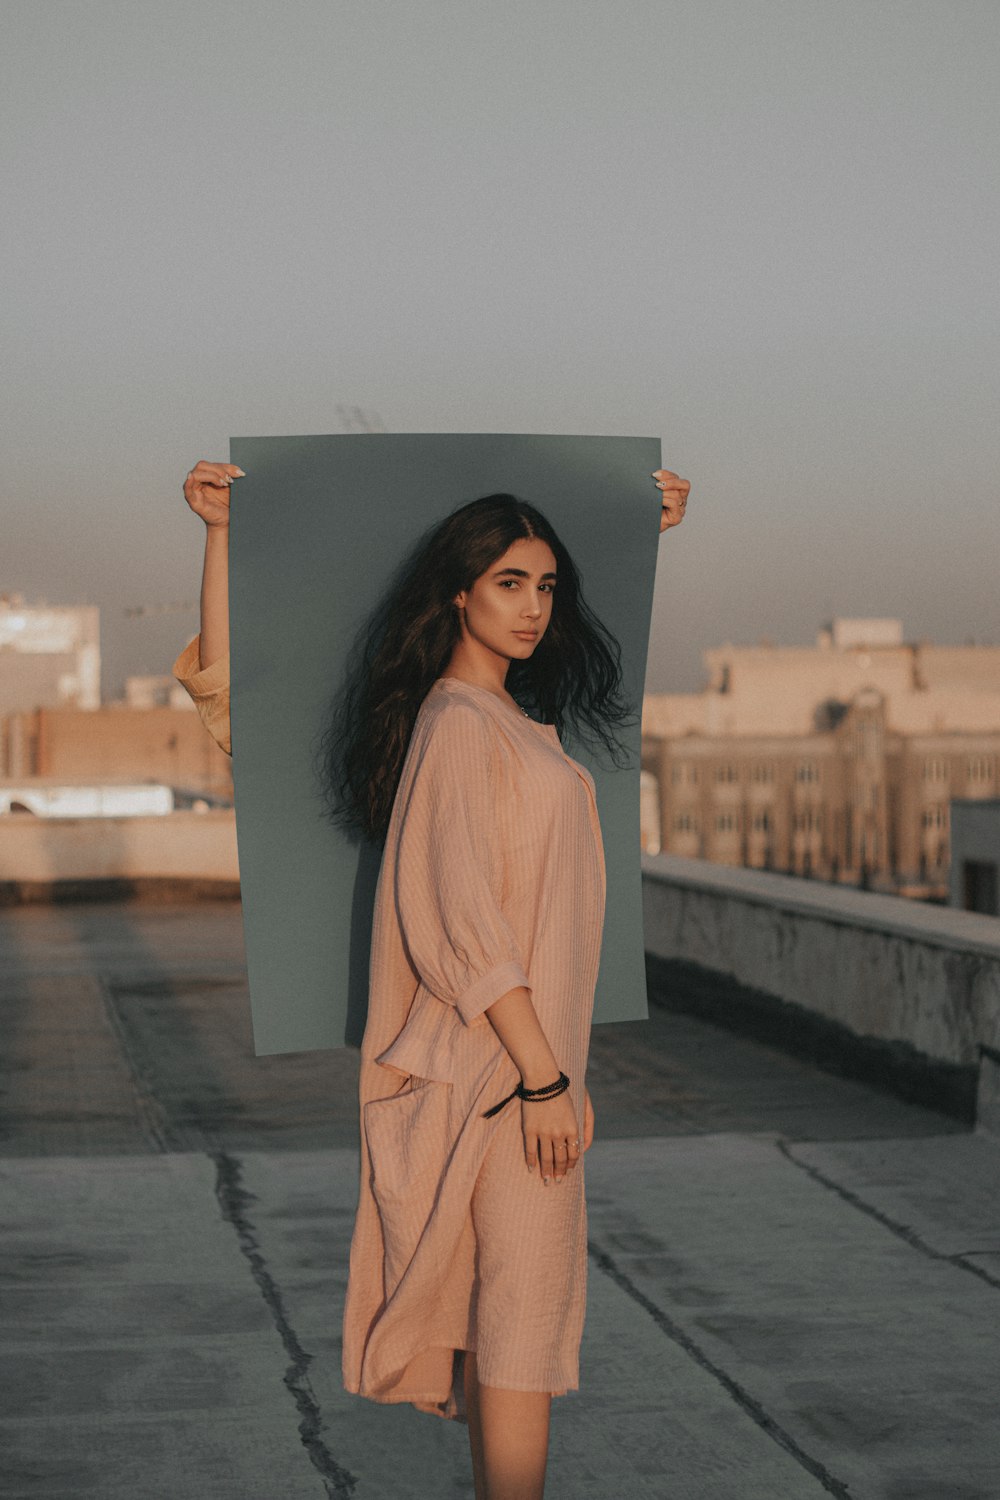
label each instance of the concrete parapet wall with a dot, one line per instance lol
(884, 967)
(184, 846)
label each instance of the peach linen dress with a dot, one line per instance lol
(492, 877)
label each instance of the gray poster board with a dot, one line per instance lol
(319, 526)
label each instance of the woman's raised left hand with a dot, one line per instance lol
(674, 491)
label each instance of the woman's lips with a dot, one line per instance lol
(527, 635)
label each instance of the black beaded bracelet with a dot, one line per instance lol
(550, 1091)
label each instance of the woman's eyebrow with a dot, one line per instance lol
(518, 573)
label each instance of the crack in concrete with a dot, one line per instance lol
(742, 1397)
(153, 1119)
(233, 1199)
(901, 1231)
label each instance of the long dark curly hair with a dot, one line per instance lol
(572, 679)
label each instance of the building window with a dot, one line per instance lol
(807, 770)
(869, 740)
(806, 820)
(933, 817)
(935, 769)
(762, 771)
(725, 822)
(686, 822)
(684, 771)
(980, 768)
(726, 773)
(761, 820)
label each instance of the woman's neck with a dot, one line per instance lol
(482, 669)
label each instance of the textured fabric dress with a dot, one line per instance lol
(492, 877)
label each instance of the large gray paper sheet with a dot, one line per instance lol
(319, 526)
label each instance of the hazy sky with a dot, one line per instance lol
(765, 230)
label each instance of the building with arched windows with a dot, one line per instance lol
(837, 761)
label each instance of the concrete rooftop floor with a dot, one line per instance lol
(793, 1279)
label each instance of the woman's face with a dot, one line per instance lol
(509, 606)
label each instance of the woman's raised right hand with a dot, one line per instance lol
(206, 490)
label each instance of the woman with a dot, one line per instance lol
(467, 1282)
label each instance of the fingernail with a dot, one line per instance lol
(545, 1180)
(241, 473)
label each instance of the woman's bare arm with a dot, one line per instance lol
(549, 1127)
(215, 596)
(515, 1021)
(206, 490)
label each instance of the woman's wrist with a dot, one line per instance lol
(539, 1078)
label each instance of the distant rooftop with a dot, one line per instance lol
(844, 632)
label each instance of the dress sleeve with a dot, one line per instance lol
(209, 689)
(447, 872)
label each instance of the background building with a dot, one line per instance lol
(50, 655)
(54, 727)
(837, 760)
(117, 743)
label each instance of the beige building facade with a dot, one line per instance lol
(114, 742)
(50, 655)
(54, 725)
(837, 761)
